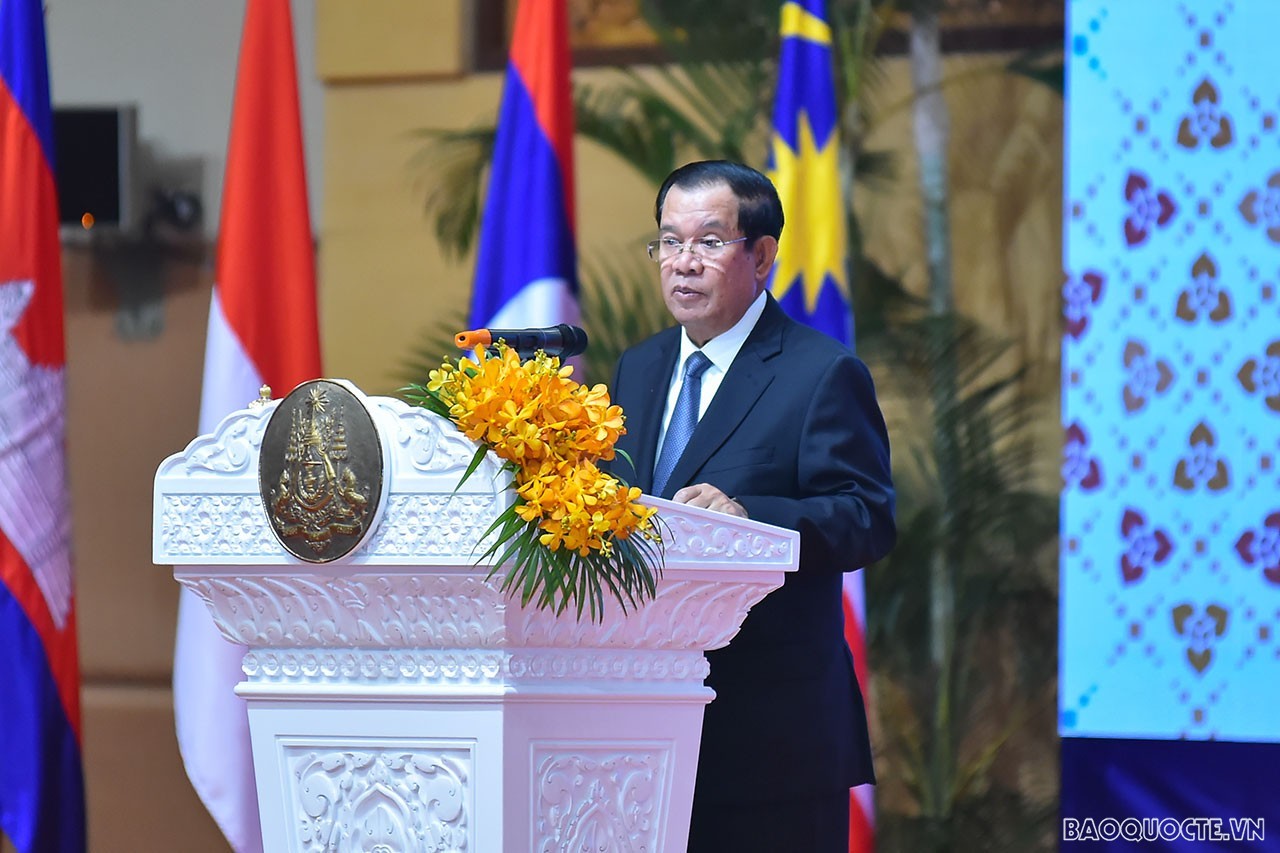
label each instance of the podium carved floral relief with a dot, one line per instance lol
(399, 699)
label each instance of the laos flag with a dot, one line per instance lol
(42, 786)
(526, 272)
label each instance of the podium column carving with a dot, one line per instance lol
(398, 700)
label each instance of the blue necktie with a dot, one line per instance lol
(683, 420)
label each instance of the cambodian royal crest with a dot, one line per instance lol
(321, 471)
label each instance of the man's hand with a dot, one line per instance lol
(708, 496)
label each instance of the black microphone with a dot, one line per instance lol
(562, 341)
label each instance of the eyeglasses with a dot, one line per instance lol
(666, 248)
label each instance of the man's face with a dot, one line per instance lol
(707, 296)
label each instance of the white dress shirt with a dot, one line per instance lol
(721, 351)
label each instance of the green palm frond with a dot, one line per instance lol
(876, 170)
(450, 169)
(656, 121)
(629, 125)
(985, 413)
(1045, 65)
(969, 504)
(621, 305)
(693, 31)
(433, 344)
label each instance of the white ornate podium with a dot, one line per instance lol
(399, 702)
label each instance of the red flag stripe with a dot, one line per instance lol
(29, 223)
(862, 833)
(265, 243)
(30, 250)
(60, 645)
(853, 635)
(537, 56)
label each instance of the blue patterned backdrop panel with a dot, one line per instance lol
(1170, 562)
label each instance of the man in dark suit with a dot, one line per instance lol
(782, 426)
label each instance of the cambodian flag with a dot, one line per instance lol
(810, 279)
(42, 786)
(526, 272)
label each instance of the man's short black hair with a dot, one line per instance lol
(759, 208)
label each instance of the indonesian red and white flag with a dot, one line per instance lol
(262, 330)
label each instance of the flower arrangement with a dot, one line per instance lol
(572, 530)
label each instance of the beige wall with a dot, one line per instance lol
(130, 403)
(1006, 197)
(384, 279)
(389, 71)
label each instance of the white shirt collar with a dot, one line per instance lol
(723, 348)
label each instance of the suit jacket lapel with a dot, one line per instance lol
(644, 420)
(747, 379)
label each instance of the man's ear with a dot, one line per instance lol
(764, 253)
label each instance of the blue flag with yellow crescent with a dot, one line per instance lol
(810, 280)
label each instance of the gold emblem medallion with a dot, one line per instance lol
(322, 471)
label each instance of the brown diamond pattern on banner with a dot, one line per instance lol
(1147, 375)
(1079, 295)
(1264, 207)
(1078, 468)
(1261, 547)
(1171, 373)
(1201, 630)
(1263, 375)
(1203, 296)
(1146, 546)
(1202, 467)
(1148, 208)
(1206, 122)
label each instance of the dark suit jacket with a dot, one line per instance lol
(795, 435)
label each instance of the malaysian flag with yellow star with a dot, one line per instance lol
(810, 279)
